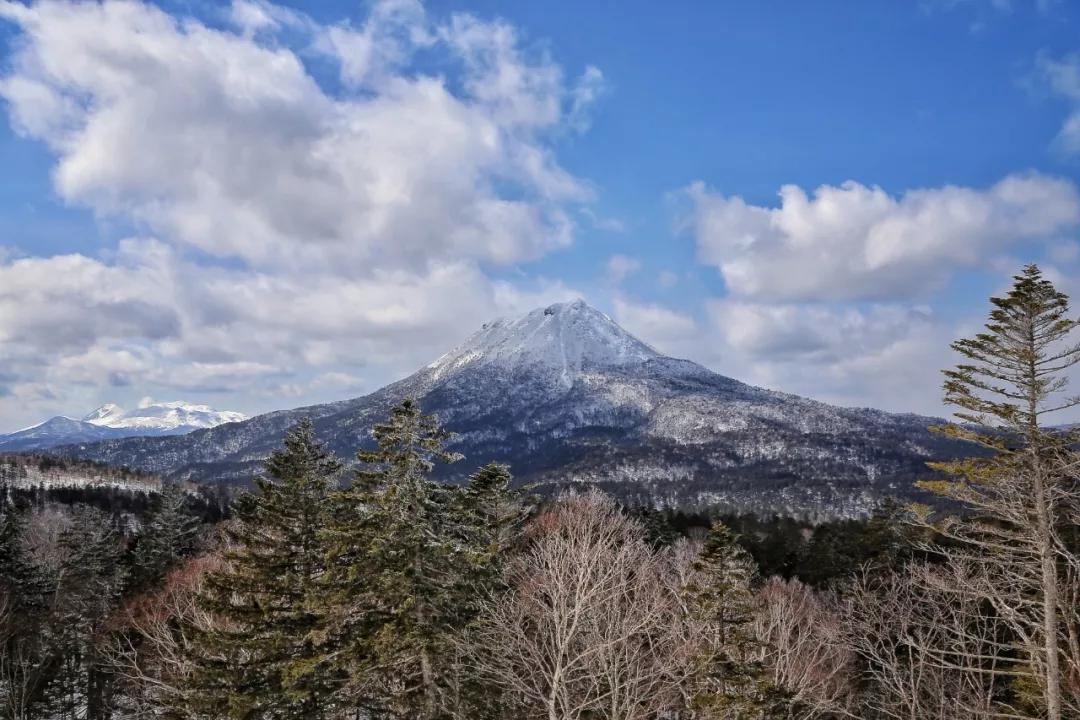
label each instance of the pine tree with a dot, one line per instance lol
(395, 568)
(262, 662)
(169, 535)
(729, 683)
(1021, 493)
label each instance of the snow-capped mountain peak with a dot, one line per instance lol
(162, 417)
(565, 338)
(105, 415)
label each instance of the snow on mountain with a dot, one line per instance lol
(105, 415)
(566, 340)
(173, 417)
(566, 396)
(111, 421)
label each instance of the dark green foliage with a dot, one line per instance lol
(729, 682)
(262, 661)
(397, 568)
(168, 535)
(90, 582)
(820, 555)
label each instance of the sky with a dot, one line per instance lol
(260, 206)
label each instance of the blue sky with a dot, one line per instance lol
(264, 205)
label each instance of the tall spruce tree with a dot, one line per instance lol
(262, 660)
(169, 535)
(1022, 493)
(395, 569)
(490, 515)
(729, 683)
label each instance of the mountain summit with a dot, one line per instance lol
(565, 339)
(171, 417)
(566, 396)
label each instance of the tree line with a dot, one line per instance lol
(392, 596)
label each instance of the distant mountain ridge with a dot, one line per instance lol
(110, 421)
(566, 396)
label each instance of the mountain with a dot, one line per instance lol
(59, 430)
(566, 396)
(110, 421)
(163, 418)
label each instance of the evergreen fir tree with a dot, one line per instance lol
(490, 516)
(729, 683)
(24, 583)
(263, 660)
(396, 569)
(169, 535)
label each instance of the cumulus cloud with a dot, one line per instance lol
(298, 234)
(226, 142)
(859, 242)
(70, 326)
(666, 329)
(886, 356)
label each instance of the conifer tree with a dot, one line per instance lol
(262, 660)
(396, 567)
(1021, 493)
(728, 682)
(169, 535)
(90, 582)
(26, 588)
(491, 514)
(25, 584)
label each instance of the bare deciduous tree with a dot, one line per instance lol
(926, 652)
(151, 654)
(803, 648)
(584, 629)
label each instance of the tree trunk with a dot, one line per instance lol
(1049, 600)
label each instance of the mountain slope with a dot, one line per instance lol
(55, 431)
(567, 396)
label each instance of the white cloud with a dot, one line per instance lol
(226, 143)
(886, 356)
(859, 242)
(152, 322)
(666, 329)
(305, 236)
